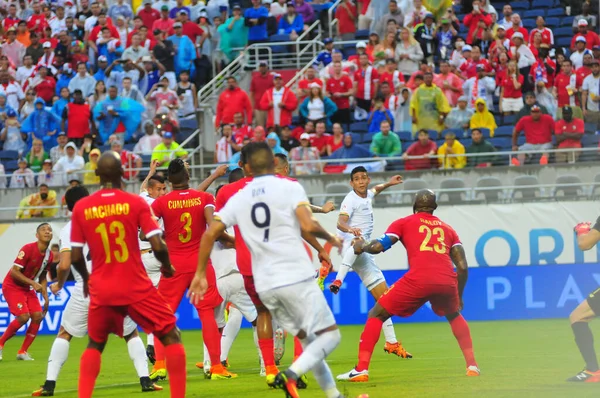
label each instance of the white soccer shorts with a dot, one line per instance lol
(231, 288)
(152, 266)
(75, 317)
(301, 306)
(366, 269)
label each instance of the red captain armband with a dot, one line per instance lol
(582, 228)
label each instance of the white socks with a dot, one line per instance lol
(347, 261)
(316, 351)
(389, 332)
(325, 379)
(150, 339)
(206, 362)
(230, 331)
(58, 356)
(137, 353)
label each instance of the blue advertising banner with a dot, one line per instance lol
(492, 293)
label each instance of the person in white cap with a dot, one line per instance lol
(586, 13)
(580, 50)
(525, 58)
(70, 164)
(591, 37)
(47, 59)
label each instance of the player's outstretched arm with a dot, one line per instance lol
(326, 208)
(159, 248)
(457, 254)
(44, 283)
(62, 271)
(587, 237)
(395, 180)
(309, 225)
(153, 166)
(78, 261)
(375, 246)
(219, 172)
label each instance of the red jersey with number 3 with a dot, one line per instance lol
(183, 215)
(428, 241)
(242, 254)
(31, 261)
(108, 222)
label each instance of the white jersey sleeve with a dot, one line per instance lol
(360, 213)
(65, 246)
(64, 242)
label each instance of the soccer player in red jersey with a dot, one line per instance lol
(432, 246)
(26, 278)
(185, 213)
(118, 286)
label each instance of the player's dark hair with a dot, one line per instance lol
(156, 179)
(218, 189)
(40, 226)
(176, 170)
(236, 175)
(43, 186)
(357, 169)
(282, 158)
(244, 154)
(260, 157)
(73, 195)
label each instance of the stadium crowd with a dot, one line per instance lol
(79, 78)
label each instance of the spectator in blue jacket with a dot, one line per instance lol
(378, 115)
(255, 19)
(324, 57)
(316, 107)
(291, 23)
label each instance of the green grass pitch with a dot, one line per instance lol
(517, 359)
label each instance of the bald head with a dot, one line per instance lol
(109, 168)
(425, 201)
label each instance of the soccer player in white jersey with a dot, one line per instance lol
(152, 188)
(273, 216)
(356, 220)
(75, 318)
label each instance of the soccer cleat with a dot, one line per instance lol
(158, 374)
(544, 160)
(148, 385)
(335, 286)
(24, 356)
(225, 363)
(42, 392)
(396, 349)
(219, 372)
(271, 372)
(585, 376)
(302, 382)
(199, 365)
(279, 343)
(150, 354)
(354, 376)
(473, 371)
(287, 384)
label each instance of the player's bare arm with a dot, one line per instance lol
(375, 246)
(199, 284)
(395, 180)
(159, 248)
(342, 225)
(310, 225)
(62, 271)
(457, 254)
(587, 237)
(311, 240)
(78, 261)
(219, 172)
(17, 275)
(326, 208)
(44, 284)
(153, 166)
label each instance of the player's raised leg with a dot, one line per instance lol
(347, 260)
(580, 318)
(392, 345)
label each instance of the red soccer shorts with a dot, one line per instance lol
(405, 297)
(152, 314)
(173, 289)
(251, 290)
(21, 301)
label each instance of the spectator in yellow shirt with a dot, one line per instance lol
(168, 150)
(28, 207)
(452, 147)
(89, 174)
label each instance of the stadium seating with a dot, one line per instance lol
(458, 193)
(339, 190)
(571, 187)
(529, 188)
(504, 131)
(359, 127)
(8, 155)
(490, 188)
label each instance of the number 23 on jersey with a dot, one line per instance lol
(437, 234)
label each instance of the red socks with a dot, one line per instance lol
(175, 355)
(211, 335)
(266, 348)
(10, 331)
(89, 367)
(461, 331)
(368, 340)
(297, 348)
(32, 332)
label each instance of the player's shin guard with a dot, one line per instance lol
(89, 368)
(30, 335)
(368, 340)
(211, 335)
(347, 262)
(325, 379)
(175, 357)
(137, 353)
(58, 356)
(297, 348)
(10, 331)
(150, 339)
(389, 332)
(461, 331)
(585, 342)
(230, 331)
(315, 351)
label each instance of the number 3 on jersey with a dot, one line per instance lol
(265, 218)
(116, 229)
(437, 232)
(186, 235)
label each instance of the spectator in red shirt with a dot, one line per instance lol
(37, 21)
(191, 29)
(516, 27)
(337, 140)
(472, 20)
(164, 23)
(129, 160)
(585, 70)
(547, 35)
(392, 75)
(44, 85)
(538, 129)
(425, 148)
(565, 85)
(450, 84)
(544, 68)
(231, 101)
(568, 131)
(103, 22)
(303, 85)
(366, 80)
(591, 37)
(339, 89)
(320, 140)
(261, 82)
(148, 14)
(469, 68)
(511, 96)
(347, 16)
(279, 102)
(241, 130)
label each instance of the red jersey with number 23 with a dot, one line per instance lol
(31, 262)
(108, 222)
(242, 254)
(183, 216)
(428, 241)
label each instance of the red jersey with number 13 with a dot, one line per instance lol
(242, 254)
(108, 222)
(182, 213)
(428, 241)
